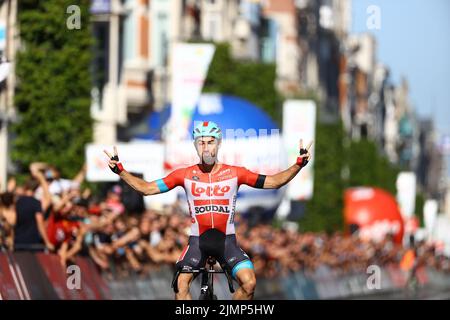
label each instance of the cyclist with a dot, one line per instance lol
(211, 189)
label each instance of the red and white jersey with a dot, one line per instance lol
(211, 196)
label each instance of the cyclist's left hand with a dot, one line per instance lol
(113, 162)
(305, 155)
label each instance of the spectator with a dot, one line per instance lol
(113, 201)
(7, 216)
(125, 242)
(58, 185)
(64, 229)
(29, 226)
(115, 240)
(46, 199)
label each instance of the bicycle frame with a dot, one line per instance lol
(207, 283)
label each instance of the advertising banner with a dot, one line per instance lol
(299, 122)
(406, 193)
(189, 63)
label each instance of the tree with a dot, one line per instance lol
(54, 83)
(324, 210)
(420, 201)
(368, 167)
(254, 81)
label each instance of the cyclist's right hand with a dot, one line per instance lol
(113, 162)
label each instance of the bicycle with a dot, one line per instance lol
(207, 282)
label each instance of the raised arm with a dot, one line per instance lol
(261, 181)
(35, 169)
(140, 185)
(280, 179)
(79, 178)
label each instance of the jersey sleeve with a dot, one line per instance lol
(174, 179)
(37, 207)
(250, 178)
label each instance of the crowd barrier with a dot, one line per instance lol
(296, 286)
(27, 275)
(40, 276)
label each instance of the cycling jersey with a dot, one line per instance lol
(211, 196)
(212, 204)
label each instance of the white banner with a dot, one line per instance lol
(442, 234)
(406, 193)
(299, 122)
(5, 68)
(146, 158)
(265, 155)
(190, 63)
(430, 213)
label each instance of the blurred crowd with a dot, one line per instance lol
(278, 251)
(54, 214)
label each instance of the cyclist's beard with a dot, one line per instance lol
(208, 158)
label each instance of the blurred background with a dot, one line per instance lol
(369, 217)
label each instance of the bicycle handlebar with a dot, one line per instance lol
(202, 270)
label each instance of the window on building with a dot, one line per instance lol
(100, 61)
(268, 40)
(163, 39)
(129, 36)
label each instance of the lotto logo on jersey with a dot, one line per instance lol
(217, 190)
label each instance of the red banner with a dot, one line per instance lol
(374, 213)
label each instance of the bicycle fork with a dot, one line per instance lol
(207, 284)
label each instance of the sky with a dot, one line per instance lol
(414, 42)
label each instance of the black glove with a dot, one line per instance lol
(118, 168)
(302, 161)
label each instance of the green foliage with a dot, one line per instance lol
(54, 83)
(253, 81)
(420, 201)
(324, 211)
(369, 168)
(365, 166)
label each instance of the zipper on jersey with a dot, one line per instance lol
(210, 202)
